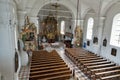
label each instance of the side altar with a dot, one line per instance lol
(29, 35)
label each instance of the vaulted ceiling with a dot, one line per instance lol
(33, 7)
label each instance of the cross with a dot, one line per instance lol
(56, 7)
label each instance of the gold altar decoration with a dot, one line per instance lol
(28, 35)
(49, 28)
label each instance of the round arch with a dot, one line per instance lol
(62, 7)
(39, 5)
(107, 7)
(88, 11)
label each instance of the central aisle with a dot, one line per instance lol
(78, 74)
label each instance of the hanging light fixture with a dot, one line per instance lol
(56, 5)
(77, 12)
(78, 31)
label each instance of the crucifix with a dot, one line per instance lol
(56, 8)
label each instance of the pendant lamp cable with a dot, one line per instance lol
(99, 14)
(77, 12)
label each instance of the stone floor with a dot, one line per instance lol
(24, 73)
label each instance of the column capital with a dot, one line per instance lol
(22, 12)
(102, 18)
(34, 17)
(77, 20)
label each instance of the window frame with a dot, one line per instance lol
(90, 25)
(115, 31)
(62, 28)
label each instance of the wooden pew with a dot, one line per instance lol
(111, 77)
(42, 76)
(93, 71)
(99, 66)
(93, 65)
(106, 73)
(48, 66)
(43, 65)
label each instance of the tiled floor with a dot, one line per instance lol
(24, 73)
(78, 74)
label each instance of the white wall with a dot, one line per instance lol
(93, 47)
(106, 51)
(102, 34)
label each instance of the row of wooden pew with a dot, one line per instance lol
(48, 66)
(92, 65)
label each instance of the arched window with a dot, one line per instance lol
(115, 32)
(90, 28)
(62, 31)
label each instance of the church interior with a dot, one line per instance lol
(59, 39)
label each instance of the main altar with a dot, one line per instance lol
(49, 29)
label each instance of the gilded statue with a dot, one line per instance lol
(78, 36)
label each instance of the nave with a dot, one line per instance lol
(82, 64)
(25, 71)
(91, 26)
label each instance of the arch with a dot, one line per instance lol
(88, 11)
(115, 33)
(49, 8)
(107, 7)
(39, 5)
(90, 24)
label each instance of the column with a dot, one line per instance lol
(81, 24)
(100, 32)
(7, 42)
(21, 19)
(73, 25)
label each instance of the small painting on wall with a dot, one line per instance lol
(113, 51)
(95, 40)
(88, 43)
(105, 42)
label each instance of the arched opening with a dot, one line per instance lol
(115, 32)
(51, 18)
(62, 30)
(90, 28)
